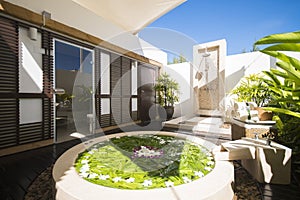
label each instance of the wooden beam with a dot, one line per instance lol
(37, 19)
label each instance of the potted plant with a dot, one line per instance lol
(252, 88)
(167, 93)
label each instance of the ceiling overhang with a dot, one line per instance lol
(130, 15)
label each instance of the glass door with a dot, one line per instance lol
(73, 72)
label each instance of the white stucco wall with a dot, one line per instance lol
(73, 15)
(182, 73)
(153, 52)
(244, 64)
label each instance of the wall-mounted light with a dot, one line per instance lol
(46, 15)
(32, 33)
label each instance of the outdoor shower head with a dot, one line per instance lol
(206, 54)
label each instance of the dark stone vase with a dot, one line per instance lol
(169, 111)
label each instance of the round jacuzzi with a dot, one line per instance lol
(143, 164)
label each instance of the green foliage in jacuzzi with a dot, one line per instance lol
(144, 162)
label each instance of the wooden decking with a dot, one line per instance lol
(17, 171)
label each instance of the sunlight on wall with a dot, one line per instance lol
(31, 75)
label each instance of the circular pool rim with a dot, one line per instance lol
(215, 185)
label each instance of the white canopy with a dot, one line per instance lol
(130, 15)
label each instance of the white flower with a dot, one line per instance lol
(130, 180)
(91, 151)
(210, 158)
(84, 162)
(146, 152)
(162, 142)
(85, 168)
(207, 168)
(186, 179)
(147, 183)
(169, 184)
(93, 175)
(117, 179)
(210, 163)
(103, 177)
(208, 154)
(199, 173)
(84, 174)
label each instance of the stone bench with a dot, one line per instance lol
(269, 164)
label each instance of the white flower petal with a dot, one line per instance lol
(207, 168)
(169, 184)
(147, 183)
(210, 163)
(103, 177)
(85, 168)
(84, 174)
(199, 173)
(93, 175)
(162, 142)
(130, 180)
(91, 152)
(84, 162)
(210, 158)
(186, 179)
(117, 179)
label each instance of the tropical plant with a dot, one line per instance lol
(180, 59)
(252, 88)
(167, 90)
(285, 83)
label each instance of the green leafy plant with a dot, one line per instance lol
(285, 83)
(167, 90)
(252, 88)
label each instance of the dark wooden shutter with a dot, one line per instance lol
(9, 83)
(12, 133)
(115, 89)
(126, 90)
(48, 107)
(120, 91)
(97, 83)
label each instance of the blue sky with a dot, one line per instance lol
(240, 22)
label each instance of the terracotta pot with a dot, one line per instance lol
(264, 115)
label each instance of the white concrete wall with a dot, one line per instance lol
(182, 73)
(153, 52)
(244, 64)
(30, 76)
(73, 15)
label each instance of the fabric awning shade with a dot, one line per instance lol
(130, 15)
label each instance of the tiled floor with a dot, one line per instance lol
(19, 170)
